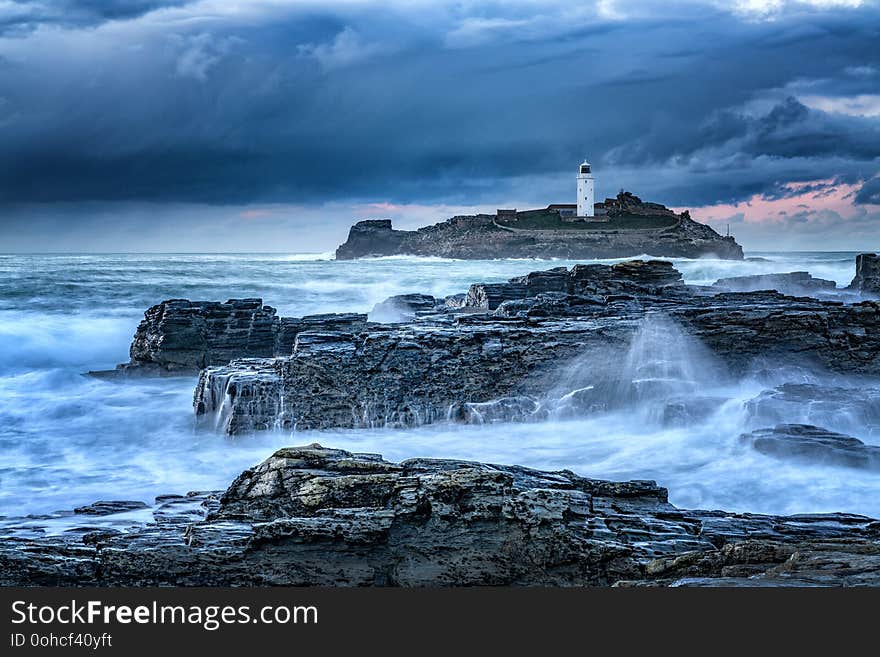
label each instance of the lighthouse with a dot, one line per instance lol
(585, 190)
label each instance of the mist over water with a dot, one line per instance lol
(659, 407)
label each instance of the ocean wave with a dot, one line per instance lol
(35, 341)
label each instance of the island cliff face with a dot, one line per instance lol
(629, 228)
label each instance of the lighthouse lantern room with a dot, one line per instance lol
(585, 184)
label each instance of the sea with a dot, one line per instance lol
(68, 439)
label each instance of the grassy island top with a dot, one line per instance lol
(551, 220)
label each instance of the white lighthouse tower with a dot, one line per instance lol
(585, 190)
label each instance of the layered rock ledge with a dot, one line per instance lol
(326, 517)
(632, 228)
(496, 353)
(179, 336)
(867, 277)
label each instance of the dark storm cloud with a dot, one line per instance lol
(792, 130)
(23, 16)
(869, 193)
(429, 103)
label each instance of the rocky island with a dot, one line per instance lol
(313, 515)
(625, 227)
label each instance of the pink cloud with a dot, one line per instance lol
(256, 213)
(380, 207)
(813, 196)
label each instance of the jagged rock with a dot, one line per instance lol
(402, 307)
(179, 336)
(506, 341)
(844, 408)
(106, 508)
(318, 516)
(456, 300)
(414, 374)
(550, 304)
(627, 203)
(797, 283)
(372, 237)
(290, 328)
(743, 327)
(867, 277)
(809, 443)
(500, 410)
(406, 377)
(492, 295)
(550, 280)
(633, 277)
(481, 237)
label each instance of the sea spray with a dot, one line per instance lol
(661, 364)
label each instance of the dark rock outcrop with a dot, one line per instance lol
(510, 341)
(402, 307)
(106, 508)
(179, 336)
(638, 277)
(867, 277)
(316, 516)
(797, 283)
(805, 442)
(461, 358)
(841, 408)
(372, 237)
(482, 237)
(628, 204)
(292, 329)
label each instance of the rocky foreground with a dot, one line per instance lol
(482, 236)
(317, 516)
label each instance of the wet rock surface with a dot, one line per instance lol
(106, 508)
(867, 277)
(798, 283)
(510, 341)
(179, 336)
(402, 307)
(842, 408)
(637, 277)
(804, 442)
(481, 237)
(317, 516)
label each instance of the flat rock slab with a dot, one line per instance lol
(805, 442)
(794, 283)
(106, 508)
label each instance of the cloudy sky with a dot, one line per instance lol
(150, 125)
